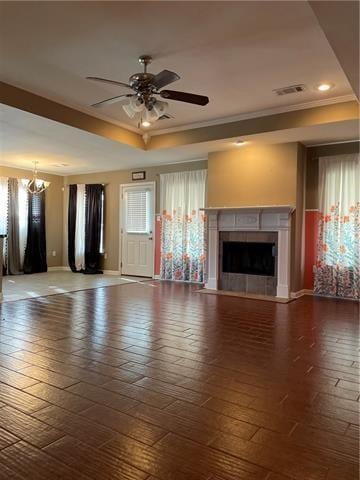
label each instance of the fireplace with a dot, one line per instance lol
(247, 262)
(248, 249)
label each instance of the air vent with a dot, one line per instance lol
(290, 89)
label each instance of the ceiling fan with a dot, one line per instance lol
(147, 86)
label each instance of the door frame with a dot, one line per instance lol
(122, 218)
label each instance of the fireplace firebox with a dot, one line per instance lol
(247, 262)
(251, 258)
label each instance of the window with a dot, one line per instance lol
(23, 219)
(3, 204)
(137, 211)
(23, 213)
(338, 257)
(182, 196)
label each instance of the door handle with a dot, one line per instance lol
(150, 238)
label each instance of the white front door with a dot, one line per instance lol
(137, 223)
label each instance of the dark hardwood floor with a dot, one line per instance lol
(155, 381)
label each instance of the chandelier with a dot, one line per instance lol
(146, 108)
(36, 185)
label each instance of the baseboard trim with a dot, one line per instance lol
(59, 269)
(301, 293)
(157, 277)
(112, 272)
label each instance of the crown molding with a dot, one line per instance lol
(92, 171)
(258, 113)
(28, 176)
(135, 167)
(340, 142)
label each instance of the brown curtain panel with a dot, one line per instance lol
(72, 226)
(35, 253)
(94, 193)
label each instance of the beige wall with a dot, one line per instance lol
(253, 175)
(113, 180)
(54, 211)
(298, 224)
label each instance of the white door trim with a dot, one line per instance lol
(121, 219)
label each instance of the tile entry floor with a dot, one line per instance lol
(18, 287)
(153, 381)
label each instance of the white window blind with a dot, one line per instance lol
(137, 211)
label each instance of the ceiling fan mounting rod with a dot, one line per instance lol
(145, 60)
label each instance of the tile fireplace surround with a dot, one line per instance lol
(275, 218)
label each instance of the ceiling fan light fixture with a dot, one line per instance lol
(129, 110)
(152, 115)
(136, 104)
(160, 108)
(149, 117)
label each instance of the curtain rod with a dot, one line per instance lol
(68, 184)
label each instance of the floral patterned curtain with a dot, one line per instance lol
(338, 257)
(182, 194)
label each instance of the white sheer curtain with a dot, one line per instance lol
(338, 257)
(4, 197)
(23, 218)
(182, 194)
(23, 213)
(80, 228)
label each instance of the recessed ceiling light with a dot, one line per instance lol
(324, 87)
(145, 124)
(240, 143)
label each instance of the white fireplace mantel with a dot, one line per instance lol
(273, 218)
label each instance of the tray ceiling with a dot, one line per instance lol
(235, 53)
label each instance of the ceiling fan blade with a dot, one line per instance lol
(105, 80)
(184, 97)
(164, 78)
(111, 100)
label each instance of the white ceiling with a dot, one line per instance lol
(234, 52)
(26, 137)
